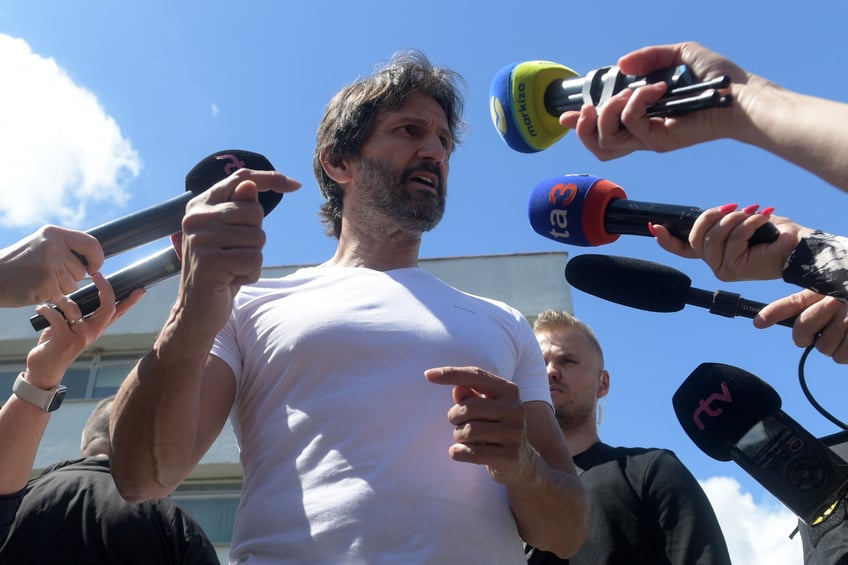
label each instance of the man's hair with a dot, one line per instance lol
(350, 115)
(552, 320)
(95, 435)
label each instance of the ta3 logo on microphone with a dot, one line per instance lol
(561, 196)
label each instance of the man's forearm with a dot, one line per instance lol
(155, 419)
(551, 508)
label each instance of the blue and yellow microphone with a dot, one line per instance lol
(526, 99)
(517, 103)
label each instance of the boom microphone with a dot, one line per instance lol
(165, 219)
(526, 99)
(145, 226)
(587, 210)
(731, 414)
(652, 287)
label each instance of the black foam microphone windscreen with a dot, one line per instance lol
(654, 287)
(629, 282)
(717, 405)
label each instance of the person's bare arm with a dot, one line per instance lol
(805, 130)
(175, 402)
(22, 424)
(524, 450)
(46, 265)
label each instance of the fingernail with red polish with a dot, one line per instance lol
(651, 229)
(767, 211)
(751, 209)
(727, 208)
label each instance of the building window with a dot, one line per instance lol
(7, 379)
(109, 375)
(89, 378)
(213, 506)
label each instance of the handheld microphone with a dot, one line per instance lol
(141, 274)
(731, 414)
(165, 219)
(586, 210)
(652, 287)
(526, 99)
(207, 172)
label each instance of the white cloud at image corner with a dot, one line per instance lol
(59, 150)
(756, 533)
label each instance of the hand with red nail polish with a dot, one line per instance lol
(652, 229)
(720, 237)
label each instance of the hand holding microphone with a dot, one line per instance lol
(720, 236)
(165, 219)
(527, 99)
(653, 287)
(820, 320)
(586, 210)
(645, 285)
(625, 124)
(44, 266)
(221, 247)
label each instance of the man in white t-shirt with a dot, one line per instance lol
(351, 451)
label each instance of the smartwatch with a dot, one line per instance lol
(47, 400)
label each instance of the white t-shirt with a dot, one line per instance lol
(343, 442)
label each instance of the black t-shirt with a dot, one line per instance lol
(72, 513)
(646, 508)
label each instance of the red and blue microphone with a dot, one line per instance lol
(586, 210)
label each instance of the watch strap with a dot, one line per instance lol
(47, 400)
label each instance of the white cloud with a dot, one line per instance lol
(59, 150)
(755, 533)
(215, 110)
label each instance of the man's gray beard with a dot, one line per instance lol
(388, 198)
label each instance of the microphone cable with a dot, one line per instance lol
(802, 380)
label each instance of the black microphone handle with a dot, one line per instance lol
(728, 304)
(598, 85)
(142, 227)
(631, 217)
(142, 274)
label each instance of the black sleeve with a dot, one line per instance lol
(182, 538)
(826, 543)
(196, 548)
(686, 522)
(820, 263)
(9, 504)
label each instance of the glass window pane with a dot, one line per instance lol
(76, 379)
(109, 378)
(215, 515)
(7, 378)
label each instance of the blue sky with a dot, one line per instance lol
(106, 106)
